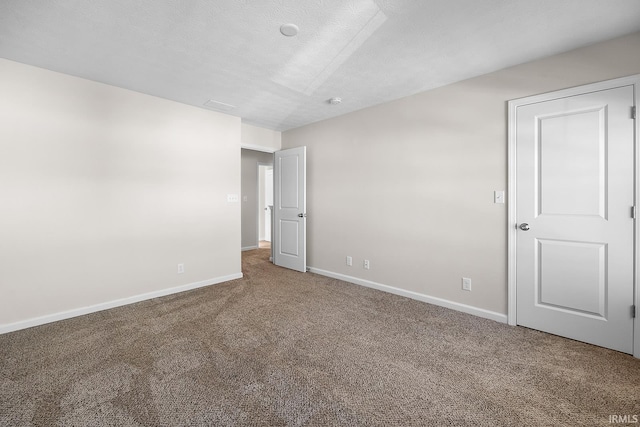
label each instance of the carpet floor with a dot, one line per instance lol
(280, 348)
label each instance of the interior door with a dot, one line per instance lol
(575, 231)
(290, 208)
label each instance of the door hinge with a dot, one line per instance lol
(633, 212)
(633, 112)
(633, 311)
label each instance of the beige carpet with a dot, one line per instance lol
(263, 244)
(280, 348)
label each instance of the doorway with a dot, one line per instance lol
(265, 204)
(252, 210)
(572, 234)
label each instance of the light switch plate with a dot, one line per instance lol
(232, 198)
(498, 197)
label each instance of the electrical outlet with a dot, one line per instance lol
(366, 264)
(180, 268)
(349, 261)
(466, 284)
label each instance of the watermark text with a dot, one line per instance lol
(624, 419)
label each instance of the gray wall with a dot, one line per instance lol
(104, 191)
(249, 162)
(255, 138)
(409, 184)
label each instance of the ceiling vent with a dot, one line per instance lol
(220, 106)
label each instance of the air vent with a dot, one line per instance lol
(220, 106)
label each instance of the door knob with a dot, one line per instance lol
(524, 226)
(302, 215)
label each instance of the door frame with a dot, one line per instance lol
(512, 189)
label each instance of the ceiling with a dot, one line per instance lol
(231, 51)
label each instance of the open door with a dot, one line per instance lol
(290, 209)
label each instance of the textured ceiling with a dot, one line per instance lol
(231, 51)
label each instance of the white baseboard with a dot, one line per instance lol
(249, 248)
(37, 321)
(480, 312)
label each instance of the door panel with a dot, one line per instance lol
(572, 276)
(571, 149)
(289, 237)
(575, 190)
(289, 241)
(289, 182)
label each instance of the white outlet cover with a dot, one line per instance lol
(232, 198)
(466, 284)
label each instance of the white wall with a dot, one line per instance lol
(104, 191)
(260, 139)
(409, 184)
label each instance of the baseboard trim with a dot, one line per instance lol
(50, 318)
(480, 312)
(249, 248)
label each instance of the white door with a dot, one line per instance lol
(290, 205)
(575, 231)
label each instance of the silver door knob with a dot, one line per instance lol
(524, 226)
(302, 215)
